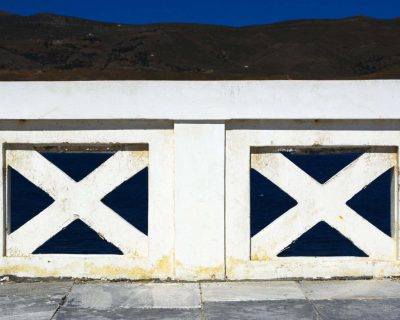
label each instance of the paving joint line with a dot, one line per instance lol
(64, 299)
(314, 307)
(202, 311)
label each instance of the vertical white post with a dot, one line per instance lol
(199, 200)
(237, 209)
(395, 204)
(2, 201)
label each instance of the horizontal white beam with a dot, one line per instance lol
(201, 100)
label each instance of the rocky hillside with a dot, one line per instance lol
(50, 47)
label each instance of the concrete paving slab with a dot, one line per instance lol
(360, 299)
(172, 295)
(257, 310)
(106, 296)
(45, 288)
(388, 309)
(33, 301)
(251, 291)
(351, 289)
(119, 314)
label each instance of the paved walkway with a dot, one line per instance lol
(358, 299)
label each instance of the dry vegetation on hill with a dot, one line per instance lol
(50, 47)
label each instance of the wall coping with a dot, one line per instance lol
(200, 100)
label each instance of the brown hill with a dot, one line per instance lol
(50, 47)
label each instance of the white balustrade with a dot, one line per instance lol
(199, 141)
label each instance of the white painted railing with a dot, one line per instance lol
(199, 141)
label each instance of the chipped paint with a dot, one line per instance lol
(162, 269)
(200, 272)
(86, 268)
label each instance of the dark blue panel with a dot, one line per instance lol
(373, 203)
(267, 202)
(322, 241)
(77, 164)
(322, 166)
(26, 199)
(130, 200)
(77, 238)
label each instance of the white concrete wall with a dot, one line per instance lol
(199, 137)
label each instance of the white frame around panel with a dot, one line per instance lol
(239, 264)
(156, 258)
(76, 200)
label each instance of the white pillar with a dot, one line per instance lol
(199, 200)
(2, 203)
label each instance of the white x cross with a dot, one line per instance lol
(77, 200)
(322, 202)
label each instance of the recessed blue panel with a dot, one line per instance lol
(267, 202)
(373, 202)
(77, 238)
(322, 166)
(77, 164)
(26, 199)
(130, 200)
(322, 241)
